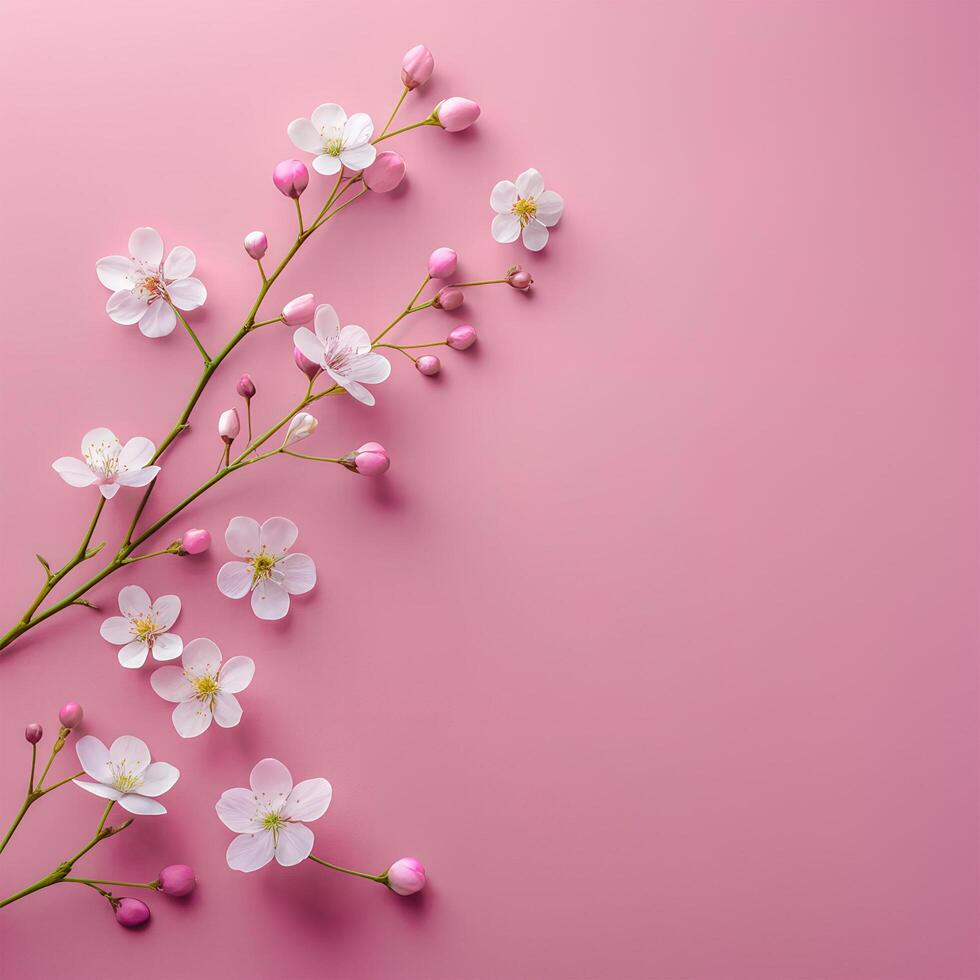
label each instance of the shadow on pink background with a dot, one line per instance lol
(657, 644)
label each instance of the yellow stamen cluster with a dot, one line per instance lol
(525, 209)
(144, 627)
(262, 565)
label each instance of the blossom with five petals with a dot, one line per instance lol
(334, 139)
(108, 464)
(524, 208)
(143, 627)
(123, 773)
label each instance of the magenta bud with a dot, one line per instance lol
(386, 173)
(299, 311)
(70, 715)
(429, 364)
(256, 244)
(442, 263)
(417, 66)
(456, 114)
(461, 337)
(132, 913)
(518, 278)
(195, 541)
(291, 177)
(406, 876)
(229, 425)
(245, 387)
(308, 367)
(177, 880)
(448, 298)
(33, 733)
(371, 459)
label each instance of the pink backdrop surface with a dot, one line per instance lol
(657, 644)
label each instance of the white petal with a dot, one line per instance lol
(137, 478)
(167, 646)
(191, 718)
(278, 535)
(309, 346)
(242, 536)
(357, 337)
(304, 135)
(136, 453)
(359, 157)
(354, 389)
(187, 294)
(308, 800)
(503, 196)
(237, 674)
(329, 115)
(94, 757)
(158, 778)
(158, 321)
(130, 752)
(116, 272)
(100, 442)
(133, 655)
(358, 130)
(271, 782)
(134, 601)
(270, 600)
(326, 164)
(109, 490)
(530, 183)
(234, 579)
(249, 852)
(116, 629)
(326, 323)
(299, 573)
(141, 805)
(180, 263)
(106, 792)
(166, 610)
(171, 684)
(202, 656)
(125, 306)
(146, 245)
(550, 207)
(237, 810)
(227, 710)
(294, 845)
(535, 236)
(73, 471)
(505, 228)
(370, 369)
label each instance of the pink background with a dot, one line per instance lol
(657, 644)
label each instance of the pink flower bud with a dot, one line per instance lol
(429, 364)
(33, 733)
(195, 541)
(461, 337)
(386, 173)
(177, 880)
(245, 387)
(70, 715)
(448, 298)
(442, 263)
(256, 244)
(291, 177)
(299, 311)
(229, 425)
(371, 459)
(305, 365)
(456, 114)
(519, 279)
(132, 913)
(417, 66)
(301, 426)
(406, 876)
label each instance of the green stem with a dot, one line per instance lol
(481, 282)
(382, 879)
(299, 213)
(193, 336)
(25, 806)
(119, 884)
(397, 132)
(318, 459)
(394, 112)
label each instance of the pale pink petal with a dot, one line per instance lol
(116, 629)
(187, 294)
(530, 183)
(550, 206)
(166, 610)
(535, 236)
(171, 684)
(133, 655)
(505, 228)
(309, 346)
(134, 601)
(299, 573)
(99, 789)
(109, 490)
(270, 600)
(308, 800)
(202, 656)
(326, 164)
(138, 478)
(278, 535)
(358, 130)
(167, 646)
(249, 852)
(100, 443)
(146, 245)
(326, 323)
(74, 472)
(130, 751)
(124, 306)
(237, 809)
(137, 452)
(370, 369)
(191, 718)
(158, 321)
(294, 845)
(271, 782)
(503, 196)
(227, 710)
(141, 805)
(237, 674)
(355, 389)
(180, 263)
(328, 116)
(242, 536)
(234, 579)
(158, 778)
(116, 272)
(358, 158)
(304, 135)
(94, 757)
(357, 337)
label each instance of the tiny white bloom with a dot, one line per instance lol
(143, 627)
(524, 209)
(144, 285)
(203, 688)
(302, 426)
(270, 817)
(270, 574)
(108, 464)
(345, 354)
(334, 139)
(123, 773)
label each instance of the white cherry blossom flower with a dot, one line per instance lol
(144, 285)
(123, 773)
(345, 354)
(335, 140)
(108, 464)
(204, 688)
(268, 572)
(270, 818)
(524, 209)
(143, 627)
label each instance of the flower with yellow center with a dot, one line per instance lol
(123, 773)
(524, 209)
(108, 464)
(144, 627)
(335, 140)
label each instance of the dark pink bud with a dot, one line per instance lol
(299, 310)
(456, 114)
(70, 715)
(305, 365)
(518, 278)
(461, 337)
(386, 173)
(406, 876)
(245, 387)
(417, 66)
(291, 177)
(429, 364)
(195, 541)
(34, 733)
(448, 298)
(442, 263)
(132, 913)
(177, 880)
(371, 459)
